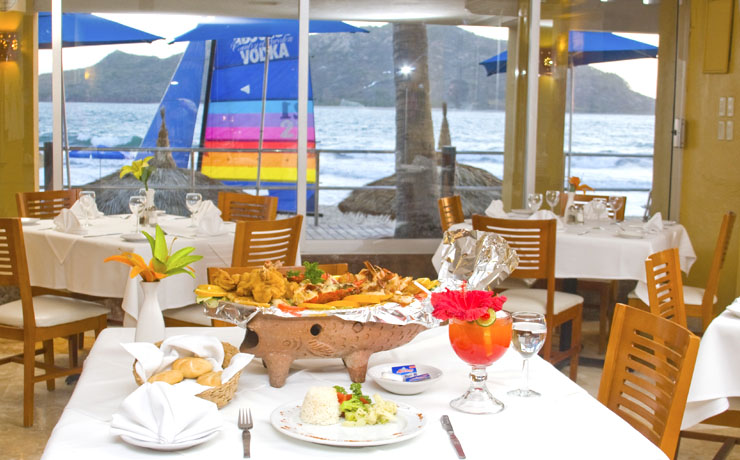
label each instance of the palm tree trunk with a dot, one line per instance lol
(417, 181)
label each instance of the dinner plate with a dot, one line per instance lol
(524, 212)
(409, 423)
(29, 220)
(133, 237)
(169, 447)
(630, 234)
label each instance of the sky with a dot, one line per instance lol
(640, 74)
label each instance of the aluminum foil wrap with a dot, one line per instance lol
(417, 312)
(483, 259)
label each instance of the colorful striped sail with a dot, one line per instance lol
(234, 112)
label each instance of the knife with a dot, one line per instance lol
(455, 442)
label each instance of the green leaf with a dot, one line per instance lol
(183, 262)
(159, 267)
(172, 261)
(179, 270)
(151, 240)
(160, 246)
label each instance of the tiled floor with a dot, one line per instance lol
(18, 443)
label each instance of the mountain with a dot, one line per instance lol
(355, 69)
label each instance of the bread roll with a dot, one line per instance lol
(172, 377)
(211, 379)
(192, 367)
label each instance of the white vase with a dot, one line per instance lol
(150, 210)
(150, 322)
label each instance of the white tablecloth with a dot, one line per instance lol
(566, 422)
(602, 254)
(59, 260)
(715, 386)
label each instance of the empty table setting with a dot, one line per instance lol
(72, 258)
(565, 421)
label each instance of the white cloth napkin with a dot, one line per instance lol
(734, 307)
(655, 223)
(68, 222)
(496, 209)
(590, 212)
(152, 359)
(79, 210)
(160, 412)
(209, 219)
(546, 214)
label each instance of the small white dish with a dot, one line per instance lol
(404, 388)
(29, 220)
(169, 447)
(133, 237)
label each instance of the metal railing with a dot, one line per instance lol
(315, 186)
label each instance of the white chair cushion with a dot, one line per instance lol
(51, 310)
(536, 300)
(192, 314)
(691, 295)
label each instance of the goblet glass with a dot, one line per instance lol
(534, 201)
(616, 203)
(552, 197)
(136, 205)
(528, 335)
(192, 202)
(598, 206)
(480, 346)
(87, 200)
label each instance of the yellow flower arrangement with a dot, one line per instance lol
(140, 169)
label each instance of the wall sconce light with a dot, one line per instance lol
(9, 46)
(546, 62)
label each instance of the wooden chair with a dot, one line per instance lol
(534, 242)
(243, 206)
(583, 198)
(255, 242)
(664, 286)
(450, 211)
(45, 205)
(35, 319)
(647, 373)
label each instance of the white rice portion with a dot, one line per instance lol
(320, 406)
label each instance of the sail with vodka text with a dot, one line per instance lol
(234, 117)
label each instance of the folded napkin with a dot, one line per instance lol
(209, 219)
(152, 359)
(79, 210)
(546, 214)
(496, 209)
(655, 223)
(68, 222)
(590, 212)
(162, 413)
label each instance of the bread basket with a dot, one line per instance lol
(220, 395)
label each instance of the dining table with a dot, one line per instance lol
(715, 384)
(564, 422)
(606, 251)
(74, 260)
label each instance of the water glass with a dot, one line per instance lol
(528, 333)
(552, 197)
(192, 202)
(136, 205)
(598, 206)
(616, 203)
(87, 201)
(534, 201)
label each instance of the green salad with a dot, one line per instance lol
(359, 410)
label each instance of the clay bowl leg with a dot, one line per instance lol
(356, 363)
(278, 367)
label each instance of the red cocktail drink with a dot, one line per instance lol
(481, 345)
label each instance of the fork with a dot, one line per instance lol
(245, 424)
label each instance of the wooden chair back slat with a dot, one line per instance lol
(243, 206)
(257, 241)
(647, 373)
(14, 266)
(665, 287)
(583, 198)
(45, 205)
(718, 260)
(450, 211)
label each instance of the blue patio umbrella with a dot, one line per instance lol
(588, 48)
(225, 28)
(82, 29)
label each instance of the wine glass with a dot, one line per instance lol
(192, 202)
(480, 346)
(528, 335)
(534, 201)
(136, 205)
(616, 203)
(87, 201)
(552, 197)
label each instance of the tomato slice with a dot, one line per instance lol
(341, 397)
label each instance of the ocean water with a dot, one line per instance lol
(368, 128)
